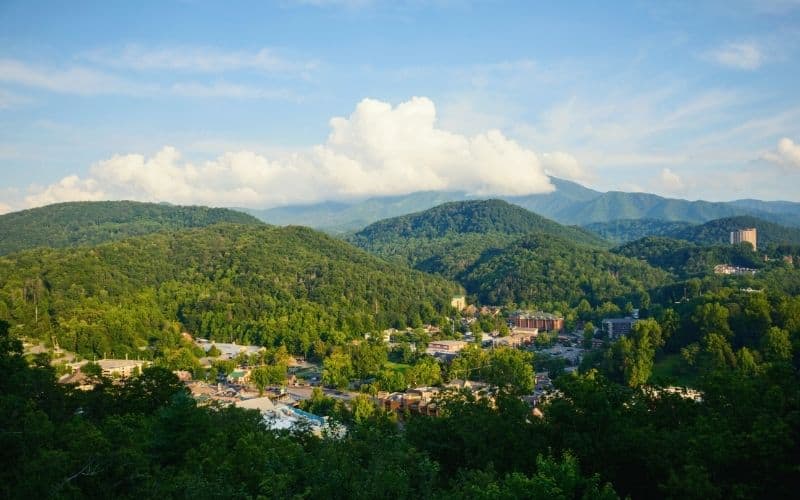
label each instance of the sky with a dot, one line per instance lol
(261, 104)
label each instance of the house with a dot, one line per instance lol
(229, 350)
(239, 377)
(445, 348)
(615, 327)
(518, 338)
(121, 367)
(459, 303)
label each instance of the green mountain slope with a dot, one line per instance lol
(625, 230)
(502, 253)
(537, 269)
(684, 258)
(249, 284)
(91, 223)
(469, 217)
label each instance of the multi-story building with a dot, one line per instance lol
(616, 327)
(542, 321)
(741, 235)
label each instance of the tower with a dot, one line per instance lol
(748, 235)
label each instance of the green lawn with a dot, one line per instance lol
(670, 370)
(400, 367)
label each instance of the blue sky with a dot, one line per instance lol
(261, 104)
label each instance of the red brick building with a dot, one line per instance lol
(544, 322)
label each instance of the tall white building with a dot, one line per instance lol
(748, 235)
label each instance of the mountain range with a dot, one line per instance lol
(570, 203)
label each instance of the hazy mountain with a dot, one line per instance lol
(570, 203)
(93, 222)
(343, 217)
(625, 230)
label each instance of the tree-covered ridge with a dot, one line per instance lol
(718, 231)
(625, 230)
(467, 217)
(684, 258)
(249, 284)
(538, 269)
(95, 222)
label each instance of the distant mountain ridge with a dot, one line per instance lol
(94, 222)
(570, 203)
(714, 232)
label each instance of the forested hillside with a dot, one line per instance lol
(684, 258)
(502, 253)
(625, 230)
(253, 284)
(718, 231)
(93, 222)
(538, 269)
(467, 217)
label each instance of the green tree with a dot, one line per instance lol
(425, 372)
(266, 375)
(630, 359)
(337, 370)
(511, 370)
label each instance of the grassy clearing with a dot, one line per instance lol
(400, 367)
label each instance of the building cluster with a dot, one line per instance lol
(733, 270)
(423, 400)
(111, 368)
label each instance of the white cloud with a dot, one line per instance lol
(198, 59)
(68, 188)
(75, 80)
(87, 81)
(737, 55)
(4, 208)
(377, 150)
(671, 182)
(786, 155)
(564, 165)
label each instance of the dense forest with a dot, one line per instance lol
(538, 269)
(504, 254)
(604, 435)
(94, 222)
(467, 217)
(252, 284)
(625, 230)
(684, 258)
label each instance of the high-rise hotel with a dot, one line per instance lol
(740, 235)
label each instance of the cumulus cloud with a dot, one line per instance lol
(671, 182)
(4, 208)
(68, 188)
(378, 150)
(786, 155)
(738, 55)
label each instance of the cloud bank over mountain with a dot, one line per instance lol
(379, 149)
